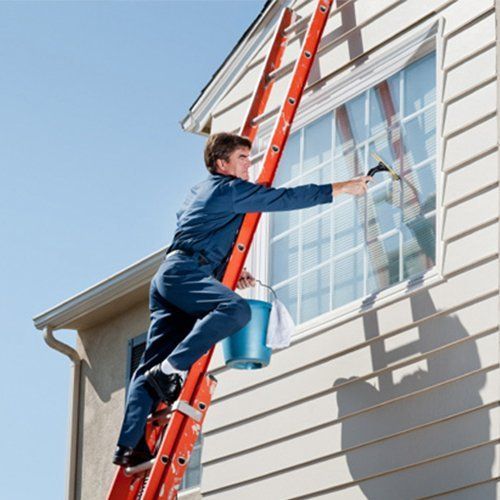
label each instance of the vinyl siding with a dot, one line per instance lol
(398, 399)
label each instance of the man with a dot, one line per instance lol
(191, 310)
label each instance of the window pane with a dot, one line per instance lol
(192, 477)
(383, 209)
(419, 245)
(289, 166)
(420, 84)
(316, 237)
(420, 138)
(284, 257)
(348, 279)
(419, 190)
(384, 105)
(288, 295)
(322, 175)
(315, 298)
(383, 263)
(351, 123)
(348, 223)
(349, 165)
(282, 221)
(317, 142)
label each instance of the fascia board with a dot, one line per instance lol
(199, 113)
(111, 289)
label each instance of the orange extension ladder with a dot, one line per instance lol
(173, 431)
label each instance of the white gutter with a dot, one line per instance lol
(73, 355)
(70, 312)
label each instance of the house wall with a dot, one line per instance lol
(104, 350)
(399, 400)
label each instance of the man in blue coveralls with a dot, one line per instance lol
(191, 310)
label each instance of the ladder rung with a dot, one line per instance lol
(136, 469)
(263, 116)
(158, 415)
(299, 23)
(187, 409)
(256, 158)
(277, 72)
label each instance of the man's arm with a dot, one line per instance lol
(249, 197)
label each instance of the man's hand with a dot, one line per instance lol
(356, 186)
(246, 279)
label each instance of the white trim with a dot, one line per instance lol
(357, 308)
(423, 40)
(342, 88)
(100, 294)
(200, 113)
(440, 144)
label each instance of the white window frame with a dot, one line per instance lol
(352, 82)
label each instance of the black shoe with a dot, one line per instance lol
(129, 457)
(167, 387)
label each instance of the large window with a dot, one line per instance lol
(327, 256)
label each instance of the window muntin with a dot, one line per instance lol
(327, 256)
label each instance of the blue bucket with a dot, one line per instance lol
(246, 349)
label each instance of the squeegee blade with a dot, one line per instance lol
(395, 176)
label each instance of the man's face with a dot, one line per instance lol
(238, 164)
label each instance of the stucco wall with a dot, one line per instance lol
(104, 352)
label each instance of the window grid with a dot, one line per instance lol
(386, 136)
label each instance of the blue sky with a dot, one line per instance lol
(93, 166)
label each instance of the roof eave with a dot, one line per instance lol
(82, 309)
(199, 116)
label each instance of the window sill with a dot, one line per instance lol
(358, 308)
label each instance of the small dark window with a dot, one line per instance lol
(136, 347)
(192, 478)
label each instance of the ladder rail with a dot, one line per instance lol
(274, 152)
(264, 86)
(182, 430)
(280, 135)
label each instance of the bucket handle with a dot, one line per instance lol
(268, 287)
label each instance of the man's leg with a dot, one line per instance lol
(220, 310)
(168, 327)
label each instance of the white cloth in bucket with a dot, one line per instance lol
(280, 327)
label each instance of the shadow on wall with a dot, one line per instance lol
(431, 405)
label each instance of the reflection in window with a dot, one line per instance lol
(327, 256)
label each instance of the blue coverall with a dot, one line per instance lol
(191, 310)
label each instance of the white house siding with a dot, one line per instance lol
(399, 401)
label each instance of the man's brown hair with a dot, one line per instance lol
(220, 146)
